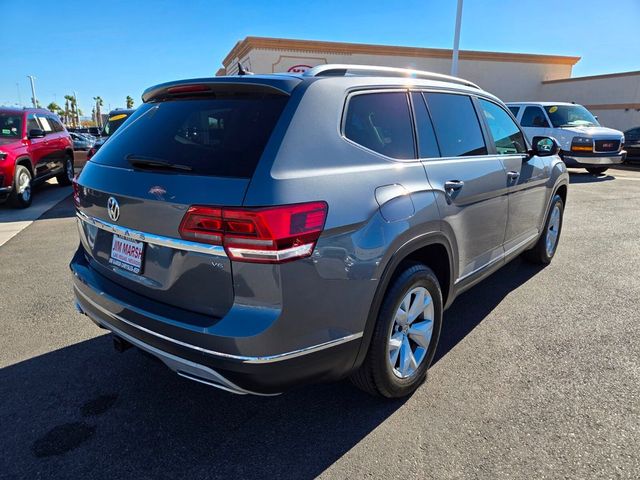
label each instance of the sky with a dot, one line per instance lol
(116, 48)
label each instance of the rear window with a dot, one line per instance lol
(456, 123)
(222, 137)
(10, 125)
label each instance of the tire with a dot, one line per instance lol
(597, 170)
(376, 375)
(540, 253)
(66, 177)
(21, 195)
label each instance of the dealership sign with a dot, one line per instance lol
(299, 68)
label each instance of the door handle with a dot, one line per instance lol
(513, 176)
(453, 185)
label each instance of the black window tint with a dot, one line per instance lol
(10, 125)
(506, 135)
(515, 111)
(223, 136)
(456, 125)
(55, 124)
(32, 123)
(534, 117)
(381, 122)
(427, 144)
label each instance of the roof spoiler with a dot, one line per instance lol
(211, 86)
(339, 70)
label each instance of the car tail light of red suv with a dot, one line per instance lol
(260, 235)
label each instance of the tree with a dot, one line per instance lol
(99, 103)
(129, 102)
(69, 118)
(55, 108)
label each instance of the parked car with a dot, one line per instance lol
(584, 143)
(93, 131)
(632, 144)
(213, 224)
(80, 141)
(116, 118)
(34, 146)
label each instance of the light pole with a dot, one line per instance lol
(456, 41)
(75, 98)
(34, 100)
(19, 96)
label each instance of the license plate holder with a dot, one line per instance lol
(127, 254)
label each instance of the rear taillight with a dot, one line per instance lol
(263, 235)
(76, 191)
(91, 152)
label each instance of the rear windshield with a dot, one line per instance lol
(114, 123)
(222, 136)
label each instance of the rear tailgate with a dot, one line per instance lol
(168, 156)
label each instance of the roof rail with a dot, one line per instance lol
(340, 70)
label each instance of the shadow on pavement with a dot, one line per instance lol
(586, 177)
(470, 308)
(85, 411)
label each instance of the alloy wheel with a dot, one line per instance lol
(553, 230)
(411, 332)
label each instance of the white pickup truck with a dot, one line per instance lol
(584, 143)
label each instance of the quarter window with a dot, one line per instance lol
(506, 135)
(534, 117)
(382, 123)
(456, 124)
(427, 143)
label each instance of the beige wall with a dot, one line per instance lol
(615, 98)
(507, 79)
(512, 77)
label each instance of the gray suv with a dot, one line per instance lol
(258, 232)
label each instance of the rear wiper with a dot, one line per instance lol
(145, 161)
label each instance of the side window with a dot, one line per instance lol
(506, 134)
(32, 123)
(46, 126)
(456, 124)
(427, 143)
(382, 123)
(515, 111)
(534, 117)
(55, 124)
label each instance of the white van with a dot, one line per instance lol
(584, 143)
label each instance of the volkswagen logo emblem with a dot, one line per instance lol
(113, 208)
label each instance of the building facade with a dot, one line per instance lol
(511, 76)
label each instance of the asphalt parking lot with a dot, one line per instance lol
(537, 376)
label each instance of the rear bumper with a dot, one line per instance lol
(571, 159)
(208, 358)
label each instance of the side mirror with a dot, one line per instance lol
(36, 133)
(544, 146)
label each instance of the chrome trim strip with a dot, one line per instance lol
(242, 358)
(185, 368)
(498, 258)
(152, 238)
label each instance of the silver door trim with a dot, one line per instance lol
(502, 256)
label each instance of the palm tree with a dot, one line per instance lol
(129, 102)
(99, 103)
(67, 110)
(55, 108)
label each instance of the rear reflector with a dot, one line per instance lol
(76, 191)
(263, 235)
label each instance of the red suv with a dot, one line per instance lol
(34, 146)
